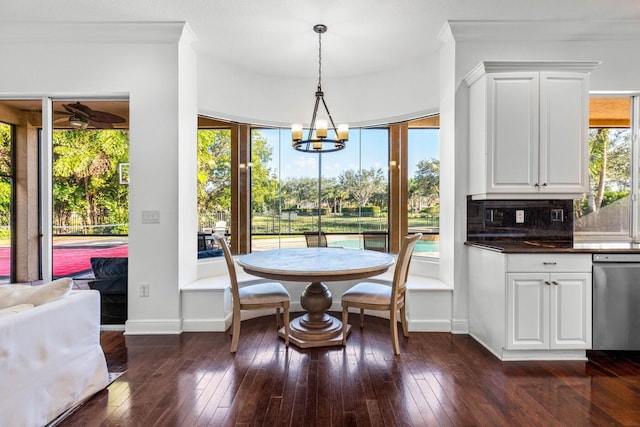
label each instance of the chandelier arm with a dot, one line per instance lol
(312, 125)
(333, 125)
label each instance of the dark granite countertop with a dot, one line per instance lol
(534, 247)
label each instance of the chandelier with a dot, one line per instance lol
(317, 140)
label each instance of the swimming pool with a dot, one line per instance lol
(423, 247)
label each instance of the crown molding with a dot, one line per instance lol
(552, 30)
(95, 32)
(485, 67)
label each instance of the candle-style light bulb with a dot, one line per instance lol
(296, 132)
(343, 132)
(321, 128)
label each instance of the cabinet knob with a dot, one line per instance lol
(536, 185)
(544, 185)
(549, 263)
(555, 282)
(546, 282)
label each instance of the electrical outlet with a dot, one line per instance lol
(519, 216)
(144, 289)
(557, 215)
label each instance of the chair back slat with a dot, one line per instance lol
(315, 239)
(375, 240)
(402, 267)
(231, 266)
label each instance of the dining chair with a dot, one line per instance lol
(253, 297)
(375, 240)
(384, 297)
(315, 239)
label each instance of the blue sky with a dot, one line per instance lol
(366, 148)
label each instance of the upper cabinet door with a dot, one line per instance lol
(528, 128)
(564, 126)
(512, 132)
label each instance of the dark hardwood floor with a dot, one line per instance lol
(440, 379)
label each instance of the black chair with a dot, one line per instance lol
(111, 280)
(316, 239)
(202, 242)
(375, 240)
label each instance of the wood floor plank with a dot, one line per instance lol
(440, 379)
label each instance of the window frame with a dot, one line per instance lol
(634, 191)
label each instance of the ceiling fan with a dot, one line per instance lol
(81, 116)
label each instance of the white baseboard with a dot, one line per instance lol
(459, 326)
(153, 327)
(443, 325)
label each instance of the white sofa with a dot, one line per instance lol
(50, 359)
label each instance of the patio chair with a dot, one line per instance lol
(378, 296)
(316, 239)
(375, 240)
(220, 227)
(253, 297)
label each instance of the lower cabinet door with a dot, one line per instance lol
(570, 310)
(527, 311)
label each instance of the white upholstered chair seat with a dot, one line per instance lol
(263, 293)
(369, 293)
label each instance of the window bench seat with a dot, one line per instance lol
(206, 302)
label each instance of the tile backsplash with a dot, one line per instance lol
(519, 220)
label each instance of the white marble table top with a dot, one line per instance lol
(316, 264)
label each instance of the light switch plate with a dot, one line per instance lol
(519, 216)
(151, 217)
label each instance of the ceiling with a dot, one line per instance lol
(275, 37)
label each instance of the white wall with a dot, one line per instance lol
(409, 91)
(619, 70)
(152, 66)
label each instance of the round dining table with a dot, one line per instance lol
(316, 328)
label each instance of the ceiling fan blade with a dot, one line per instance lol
(104, 117)
(78, 109)
(59, 117)
(100, 125)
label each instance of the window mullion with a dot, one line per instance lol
(635, 163)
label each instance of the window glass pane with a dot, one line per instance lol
(424, 188)
(6, 198)
(214, 181)
(90, 200)
(605, 210)
(289, 197)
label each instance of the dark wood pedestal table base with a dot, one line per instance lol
(315, 328)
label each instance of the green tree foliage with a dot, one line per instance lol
(361, 185)
(609, 165)
(426, 181)
(86, 177)
(214, 170)
(300, 192)
(5, 179)
(264, 182)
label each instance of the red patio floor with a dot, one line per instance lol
(69, 261)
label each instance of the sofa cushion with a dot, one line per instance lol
(210, 253)
(108, 268)
(11, 295)
(14, 309)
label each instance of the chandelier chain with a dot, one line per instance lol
(319, 60)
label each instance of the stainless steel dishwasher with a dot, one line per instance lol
(616, 301)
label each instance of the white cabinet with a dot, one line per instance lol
(530, 306)
(548, 311)
(528, 129)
